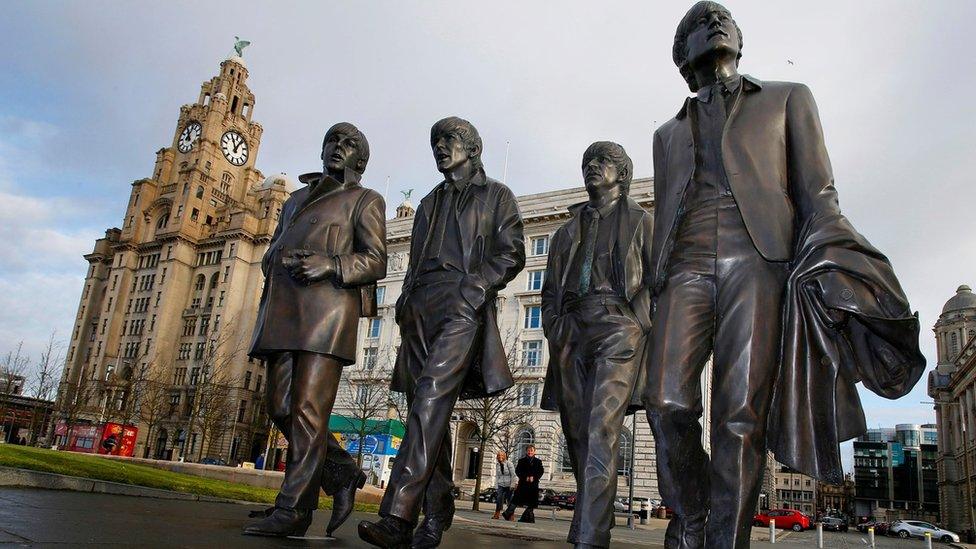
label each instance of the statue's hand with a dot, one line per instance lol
(308, 266)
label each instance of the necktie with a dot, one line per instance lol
(440, 219)
(589, 249)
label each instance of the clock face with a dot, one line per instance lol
(234, 147)
(189, 136)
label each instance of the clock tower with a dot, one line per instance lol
(170, 298)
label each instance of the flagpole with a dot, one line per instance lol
(508, 146)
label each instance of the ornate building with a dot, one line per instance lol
(952, 385)
(519, 316)
(170, 298)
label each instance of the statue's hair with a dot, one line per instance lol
(679, 52)
(464, 130)
(616, 153)
(346, 128)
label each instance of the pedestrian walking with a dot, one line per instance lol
(504, 479)
(529, 470)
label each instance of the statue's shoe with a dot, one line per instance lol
(343, 502)
(388, 533)
(430, 532)
(281, 523)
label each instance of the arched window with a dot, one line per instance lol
(623, 456)
(200, 191)
(213, 281)
(163, 220)
(954, 346)
(565, 464)
(201, 282)
(524, 439)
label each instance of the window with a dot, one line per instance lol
(528, 394)
(539, 245)
(369, 357)
(523, 440)
(623, 455)
(535, 280)
(380, 294)
(565, 463)
(375, 327)
(532, 353)
(201, 282)
(257, 386)
(220, 301)
(198, 354)
(163, 220)
(241, 410)
(194, 214)
(362, 395)
(200, 191)
(247, 380)
(533, 317)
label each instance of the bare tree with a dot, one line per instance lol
(154, 405)
(13, 370)
(44, 383)
(73, 399)
(366, 397)
(497, 417)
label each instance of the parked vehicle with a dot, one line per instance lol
(212, 461)
(565, 500)
(917, 529)
(547, 496)
(489, 495)
(620, 506)
(785, 518)
(834, 523)
(880, 528)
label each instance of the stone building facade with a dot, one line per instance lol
(171, 296)
(952, 385)
(794, 490)
(519, 318)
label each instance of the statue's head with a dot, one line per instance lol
(704, 34)
(606, 165)
(455, 141)
(344, 147)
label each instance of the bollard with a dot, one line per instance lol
(819, 535)
(772, 530)
(871, 536)
(928, 540)
(554, 513)
(643, 512)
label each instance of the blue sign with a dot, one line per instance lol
(373, 444)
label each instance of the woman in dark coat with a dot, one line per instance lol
(528, 470)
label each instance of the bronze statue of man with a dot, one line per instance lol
(325, 257)
(595, 313)
(754, 264)
(466, 244)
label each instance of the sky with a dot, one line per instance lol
(90, 90)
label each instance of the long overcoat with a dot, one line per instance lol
(346, 222)
(494, 252)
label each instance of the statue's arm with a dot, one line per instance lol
(367, 263)
(811, 179)
(270, 252)
(507, 257)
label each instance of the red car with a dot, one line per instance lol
(785, 518)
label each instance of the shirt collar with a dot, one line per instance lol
(479, 178)
(730, 84)
(749, 83)
(604, 210)
(349, 177)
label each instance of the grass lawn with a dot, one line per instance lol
(114, 470)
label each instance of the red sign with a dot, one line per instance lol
(108, 438)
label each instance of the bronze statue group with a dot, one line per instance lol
(747, 259)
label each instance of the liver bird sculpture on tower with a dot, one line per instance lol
(239, 45)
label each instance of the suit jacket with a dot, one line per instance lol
(494, 252)
(775, 161)
(347, 222)
(634, 236)
(527, 493)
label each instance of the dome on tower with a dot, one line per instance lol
(237, 59)
(278, 181)
(964, 299)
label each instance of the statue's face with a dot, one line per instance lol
(449, 152)
(341, 151)
(600, 173)
(714, 32)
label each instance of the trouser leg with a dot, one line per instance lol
(314, 383)
(573, 409)
(451, 345)
(681, 342)
(612, 341)
(747, 345)
(339, 466)
(438, 499)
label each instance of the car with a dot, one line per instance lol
(565, 500)
(918, 528)
(785, 518)
(620, 505)
(212, 461)
(834, 523)
(489, 495)
(880, 528)
(547, 496)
